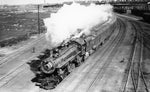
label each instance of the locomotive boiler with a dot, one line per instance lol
(56, 63)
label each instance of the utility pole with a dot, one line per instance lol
(38, 20)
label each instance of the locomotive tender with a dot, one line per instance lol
(56, 63)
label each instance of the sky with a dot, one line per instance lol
(18, 2)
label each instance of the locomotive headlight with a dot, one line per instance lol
(47, 67)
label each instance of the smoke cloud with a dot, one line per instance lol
(74, 20)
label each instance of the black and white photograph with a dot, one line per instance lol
(74, 45)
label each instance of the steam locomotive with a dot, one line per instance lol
(56, 63)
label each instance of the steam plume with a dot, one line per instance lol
(72, 18)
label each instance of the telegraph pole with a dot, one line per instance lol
(38, 20)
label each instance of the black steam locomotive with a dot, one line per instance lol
(56, 63)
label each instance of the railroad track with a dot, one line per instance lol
(4, 79)
(12, 74)
(16, 71)
(146, 36)
(65, 84)
(18, 52)
(8, 77)
(134, 73)
(142, 36)
(27, 47)
(109, 59)
(141, 70)
(98, 68)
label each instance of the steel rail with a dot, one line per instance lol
(92, 66)
(96, 64)
(128, 67)
(141, 33)
(137, 73)
(135, 77)
(8, 77)
(108, 61)
(19, 52)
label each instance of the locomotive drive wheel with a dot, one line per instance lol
(79, 60)
(70, 67)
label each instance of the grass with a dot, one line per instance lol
(15, 27)
(13, 24)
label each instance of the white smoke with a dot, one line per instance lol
(75, 19)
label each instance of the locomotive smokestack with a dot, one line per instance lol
(71, 18)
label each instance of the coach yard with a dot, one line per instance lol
(119, 65)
